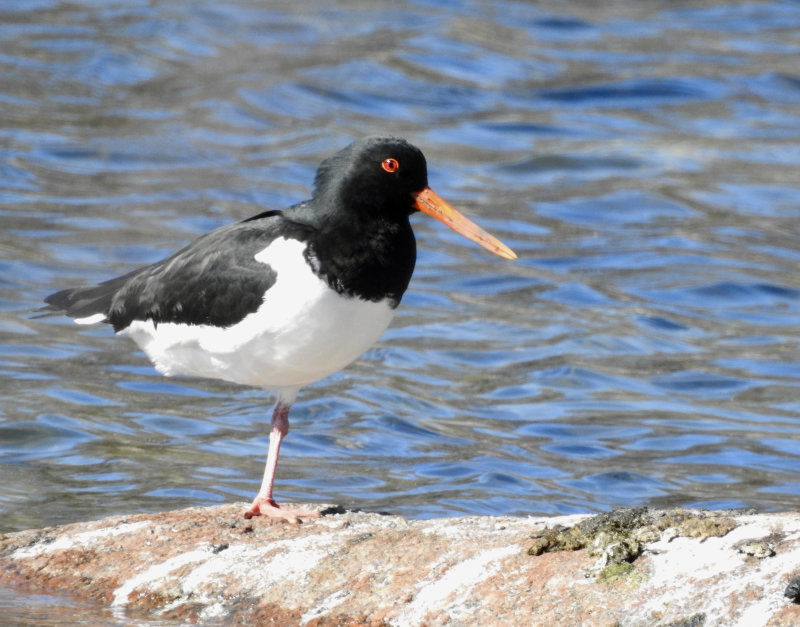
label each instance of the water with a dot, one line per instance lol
(641, 158)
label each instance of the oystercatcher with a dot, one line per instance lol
(283, 298)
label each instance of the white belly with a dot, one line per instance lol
(303, 331)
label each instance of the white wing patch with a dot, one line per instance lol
(303, 331)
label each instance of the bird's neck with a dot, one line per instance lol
(371, 260)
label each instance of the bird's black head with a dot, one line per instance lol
(375, 176)
(372, 187)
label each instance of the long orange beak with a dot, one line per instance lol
(431, 203)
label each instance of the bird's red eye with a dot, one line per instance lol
(390, 165)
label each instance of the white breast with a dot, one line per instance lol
(303, 331)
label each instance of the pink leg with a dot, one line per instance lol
(264, 504)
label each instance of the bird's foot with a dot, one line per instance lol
(270, 509)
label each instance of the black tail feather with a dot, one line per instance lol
(90, 300)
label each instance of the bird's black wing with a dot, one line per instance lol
(214, 280)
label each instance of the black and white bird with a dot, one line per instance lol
(284, 298)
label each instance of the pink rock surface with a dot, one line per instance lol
(211, 566)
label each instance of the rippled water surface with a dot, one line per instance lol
(643, 159)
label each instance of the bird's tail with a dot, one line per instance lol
(87, 305)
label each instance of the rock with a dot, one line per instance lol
(757, 547)
(629, 567)
(792, 591)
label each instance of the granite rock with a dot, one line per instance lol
(211, 566)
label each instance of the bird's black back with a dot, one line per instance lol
(214, 280)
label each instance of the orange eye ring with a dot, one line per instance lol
(390, 165)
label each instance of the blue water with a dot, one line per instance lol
(643, 159)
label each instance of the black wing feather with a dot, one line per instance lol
(214, 280)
